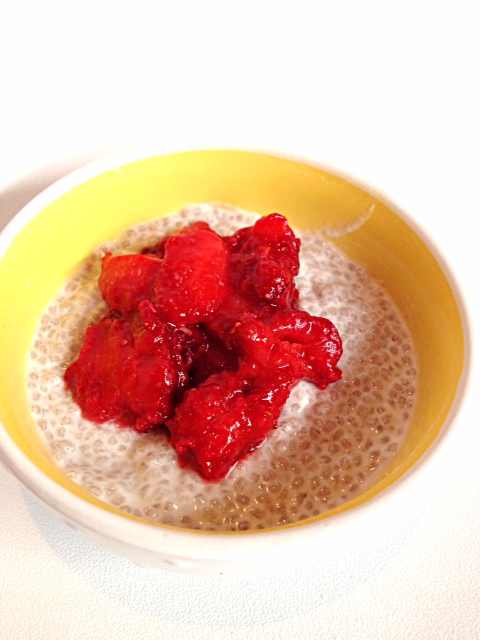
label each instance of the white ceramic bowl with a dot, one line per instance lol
(96, 203)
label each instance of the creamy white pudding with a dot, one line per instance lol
(328, 447)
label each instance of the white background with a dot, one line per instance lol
(387, 92)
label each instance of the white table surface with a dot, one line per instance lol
(386, 92)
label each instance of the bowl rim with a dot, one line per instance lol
(218, 544)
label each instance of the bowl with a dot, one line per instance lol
(46, 242)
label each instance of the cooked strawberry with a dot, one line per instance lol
(192, 283)
(127, 280)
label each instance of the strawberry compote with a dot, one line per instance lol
(203, 337)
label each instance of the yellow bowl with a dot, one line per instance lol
(45, 244)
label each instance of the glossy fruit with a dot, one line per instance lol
(204, 337)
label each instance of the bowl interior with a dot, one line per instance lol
(50, 246)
